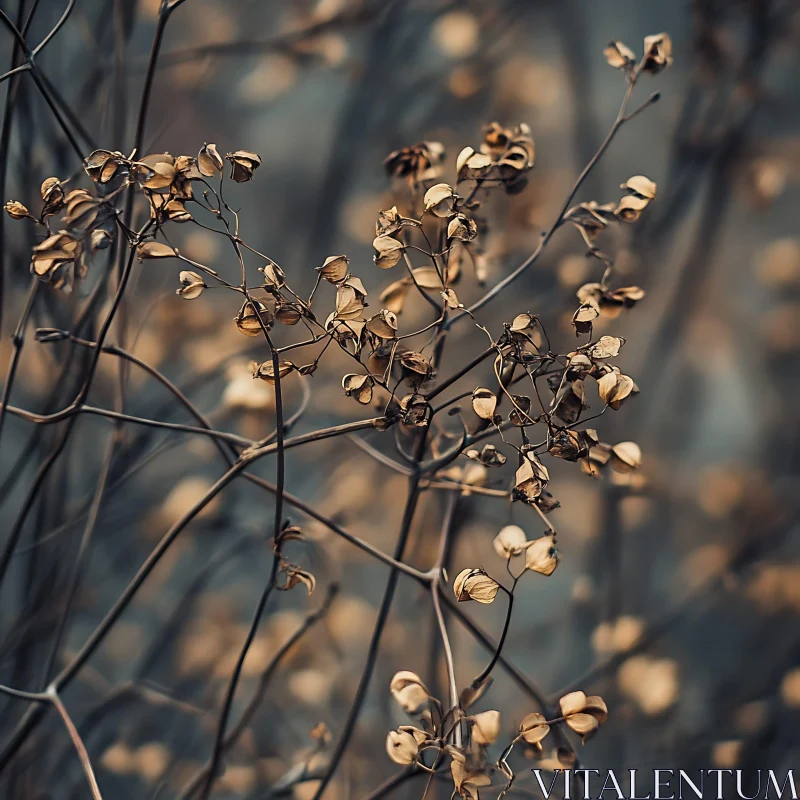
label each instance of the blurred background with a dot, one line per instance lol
(678, 594)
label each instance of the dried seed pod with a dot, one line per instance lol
(409, 691)
(359, 387)
(192, 285)
(402, 747)
(16, 210)
(583, 714)
(641, 185)
(475, 584)
(618, 55)
(630, 207)
(209, 161)
(606, 347)
(511, 541)
(243, 165)
(626, 457)
(266, 371)
(484, 727)
(388, 251)
(484, 403)
(439, 200)
(533, 729)
(250, 318)
(541, 555)
(383, 324)
(657, 52)
(615, 388)
(334, 270)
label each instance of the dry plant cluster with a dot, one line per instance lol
(122, 220)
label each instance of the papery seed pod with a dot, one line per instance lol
(485, 727)
(541, 556)
(409, 691)
(334, 270)
(511, 541)
(209, 161)
(243, 165)
(402, 747)
(250, 323)
(533, 729)
(475, 584)
(192, 285)
(16, 210)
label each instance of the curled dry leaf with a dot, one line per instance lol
(511, 541)
(192, 285)
(541, 555)
(475, 584)
(484, 403)
(485, 727)
(451, 299)
(294, 576)
(388, 251)
(154, 250)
